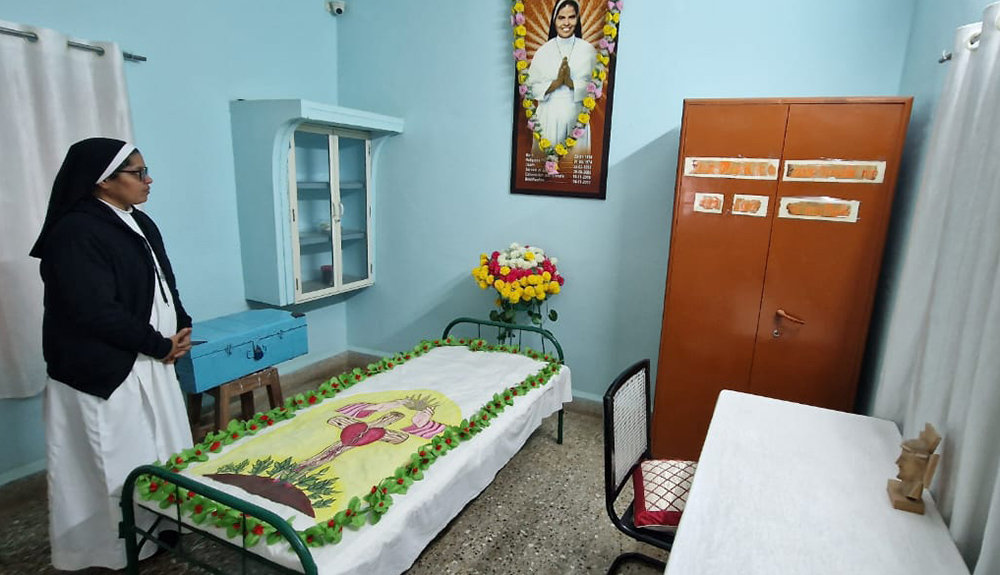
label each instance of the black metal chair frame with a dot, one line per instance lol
(624, 523)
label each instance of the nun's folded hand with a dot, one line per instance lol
(180, 344)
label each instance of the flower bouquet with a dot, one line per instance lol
(524, 279)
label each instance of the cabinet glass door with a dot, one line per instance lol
(352, 209)
(312, 203)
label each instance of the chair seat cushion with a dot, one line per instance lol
(661, 488)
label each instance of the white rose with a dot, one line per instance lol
(554, 261)
(514, 246)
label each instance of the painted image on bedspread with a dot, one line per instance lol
(334, 451)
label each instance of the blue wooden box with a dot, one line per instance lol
(240, 344)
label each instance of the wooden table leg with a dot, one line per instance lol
(246, 403)
(274, 388)
(222, 397)
(194, 414)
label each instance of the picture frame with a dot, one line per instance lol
(563, 96)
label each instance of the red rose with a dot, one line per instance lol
(258, 530)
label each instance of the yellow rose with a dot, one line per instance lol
(530, 256)
(546, 276)
(540, 295)
(519, 43)
(536, 135)
(529, 292)
(498, 284)
(518, 7)
(609, 30)
(504, 270)
(616, 17)
(570, 142)
(521, 65)
(483, 258)
(589, 103)
(603, 75)
(554, 287)
(515, 298)
(489, 279)
(561, 150)
(521, 30)
(533, 280)
(529, 113)
(522, 78)
(584, 118)
(528, 103)
(523, 281)
(543, 144)
(482, 285)
(608, 17)
(603, 59)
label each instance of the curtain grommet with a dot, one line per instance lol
(973, 42)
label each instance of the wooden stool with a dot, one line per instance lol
(223, 394)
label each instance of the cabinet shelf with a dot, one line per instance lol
(310, 186)
(313, 238)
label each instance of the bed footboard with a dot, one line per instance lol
(515, 333)
(129, 530)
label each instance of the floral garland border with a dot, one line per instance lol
(202, 510)
(595, 89)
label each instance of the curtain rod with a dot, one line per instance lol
(32, 37)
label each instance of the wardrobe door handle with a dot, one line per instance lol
(785, 315)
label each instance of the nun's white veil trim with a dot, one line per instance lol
(120, 157)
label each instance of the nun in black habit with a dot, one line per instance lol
(113, 325)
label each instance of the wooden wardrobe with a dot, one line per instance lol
(780, 215)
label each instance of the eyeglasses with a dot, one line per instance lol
(142, 173)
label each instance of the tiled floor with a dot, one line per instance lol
(544, 513)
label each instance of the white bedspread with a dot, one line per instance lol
(469, 379)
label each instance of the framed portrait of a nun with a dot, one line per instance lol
(564, 52)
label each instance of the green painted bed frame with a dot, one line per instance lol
(129, 531)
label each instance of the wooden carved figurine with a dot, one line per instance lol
(917, 463)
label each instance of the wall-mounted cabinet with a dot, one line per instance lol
(305, 190)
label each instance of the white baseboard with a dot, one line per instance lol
(22, 472)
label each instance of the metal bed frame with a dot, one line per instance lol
(129, 531)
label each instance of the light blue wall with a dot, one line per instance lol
(444, 187)
(932, 33)
(201, 56)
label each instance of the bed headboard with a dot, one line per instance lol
(513, 334)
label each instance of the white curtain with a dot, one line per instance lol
(51, 95)
(942, 357)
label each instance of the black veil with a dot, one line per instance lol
(85, 164)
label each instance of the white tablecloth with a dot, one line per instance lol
(784, 488)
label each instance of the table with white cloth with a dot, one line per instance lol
(784, 488)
